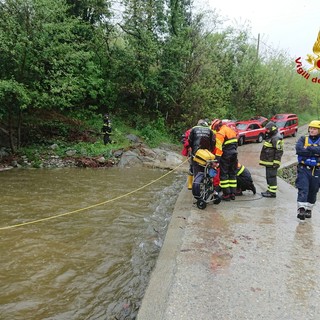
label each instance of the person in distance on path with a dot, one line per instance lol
(270, 157)
(308, 170)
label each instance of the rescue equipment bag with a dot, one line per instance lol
(202, 156)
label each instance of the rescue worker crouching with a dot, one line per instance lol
(308, 170)
(227, 155)
(270, 157)
(200, 137)
(244, 180)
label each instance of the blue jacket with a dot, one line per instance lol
(308, 150)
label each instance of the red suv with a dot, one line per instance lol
(250, 130)
(262, 120)
(287, 123)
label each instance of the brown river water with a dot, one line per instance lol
(93, 258)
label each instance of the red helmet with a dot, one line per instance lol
(215, 124)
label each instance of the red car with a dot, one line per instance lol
(262, 120)
(287, 124)
(250, 131)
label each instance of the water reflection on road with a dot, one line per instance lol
(91, 264)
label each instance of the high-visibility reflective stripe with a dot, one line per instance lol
(272, 189)
(279, 145)
(224, 184)
(234, 140)
(267, 163)
(240, 171)
(268, 144)
(232, 183)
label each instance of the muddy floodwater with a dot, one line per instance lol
(93, 257)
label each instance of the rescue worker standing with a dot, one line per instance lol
(227, 155)
(106, 129)
(186, 151)
(270, 157)
(308, 171)
(200, 137)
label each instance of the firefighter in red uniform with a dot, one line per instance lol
(227, 155)
(186, 151)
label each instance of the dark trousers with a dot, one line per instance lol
(106, 138)
(228, 173)
(271, 176)
(307, 183)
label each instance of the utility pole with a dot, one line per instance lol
(258, 45)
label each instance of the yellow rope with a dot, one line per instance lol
(92, 206)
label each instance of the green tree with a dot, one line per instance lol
(14, 98)
(91, 11)
(48, 54)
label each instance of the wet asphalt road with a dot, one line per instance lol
(246, 259)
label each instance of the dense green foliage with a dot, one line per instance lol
(83, 139)
(158, 65)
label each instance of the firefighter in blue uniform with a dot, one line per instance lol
(270, 157)
(308, 171)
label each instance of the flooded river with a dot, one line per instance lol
(93, 257)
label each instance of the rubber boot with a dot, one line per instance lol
(226, 197)
(301, 214)
(190, 181)
(268, 194)
(308, 208)
(308, 214)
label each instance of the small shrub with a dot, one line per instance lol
(289, 174)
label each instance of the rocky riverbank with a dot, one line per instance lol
(166, 156)
(138, 154)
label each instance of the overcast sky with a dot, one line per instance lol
(288, 25)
